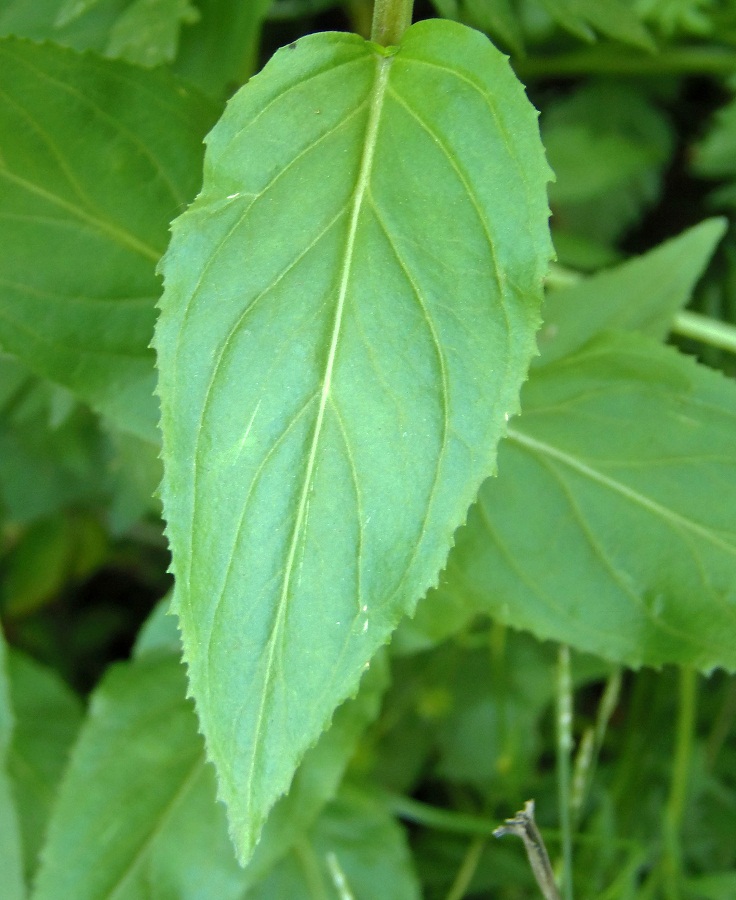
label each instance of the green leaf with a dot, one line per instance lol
(641, 294)
(613, 524)
(11, 851)
(612, 18)
(145, 822)
(607, 145)
(337, 355)
(220, 52)
(96, 157)
(47, 718)
(45, 468)
(142, 822)
(498, 18)
(147, 32)
(715, 155)
(355, 849)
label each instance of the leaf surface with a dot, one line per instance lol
(96, 157)
(612, 526)
(348, 315)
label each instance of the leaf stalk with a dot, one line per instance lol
(391, 18)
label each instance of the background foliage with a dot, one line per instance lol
(611, 526)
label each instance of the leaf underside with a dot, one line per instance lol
(349, 313)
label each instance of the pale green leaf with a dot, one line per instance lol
(47, 718)
(355, 850)
(715, 155)
(612, 526)
(337, 355)
(96, 157)
(641, 294)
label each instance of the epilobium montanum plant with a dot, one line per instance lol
(449, 487)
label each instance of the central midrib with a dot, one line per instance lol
(383, 65)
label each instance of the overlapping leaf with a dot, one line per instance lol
(146, 822)
(613, 524)
(96, 157)
(349, 312)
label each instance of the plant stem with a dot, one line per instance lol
(564, 749)
(391, 18)
(680, 60)
(467, 869)
(672, 861)
(703, 328)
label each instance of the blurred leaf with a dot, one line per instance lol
(607, 144)
(672, 18)
(136, 473)
(159, 632)
(612, 527)
(220, 52)
(47, 717)
(715, 155)
(496, 17)
(147, 32)
(642, 294)
(11, 850)
(93, 169)
(716, 886)
(43, 468)
(355, 838)
(145, 822)
(612, 18)
(337, 329)
(50, 554)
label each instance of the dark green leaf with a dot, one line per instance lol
(95, 158)
(612, 18)
(337, 356)
(613, 524)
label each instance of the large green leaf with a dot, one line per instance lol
(48, 716)
(612, 526)
(349, 313)
(96, 157)
(642, 294)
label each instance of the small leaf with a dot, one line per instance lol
(641, 294)
(96, 157)
(337, 354)
(612, 526)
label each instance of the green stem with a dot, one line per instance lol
(391, 18)
(466, 871)
(703, 328)
(564, 749)
(674, 811)
(679, 60)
